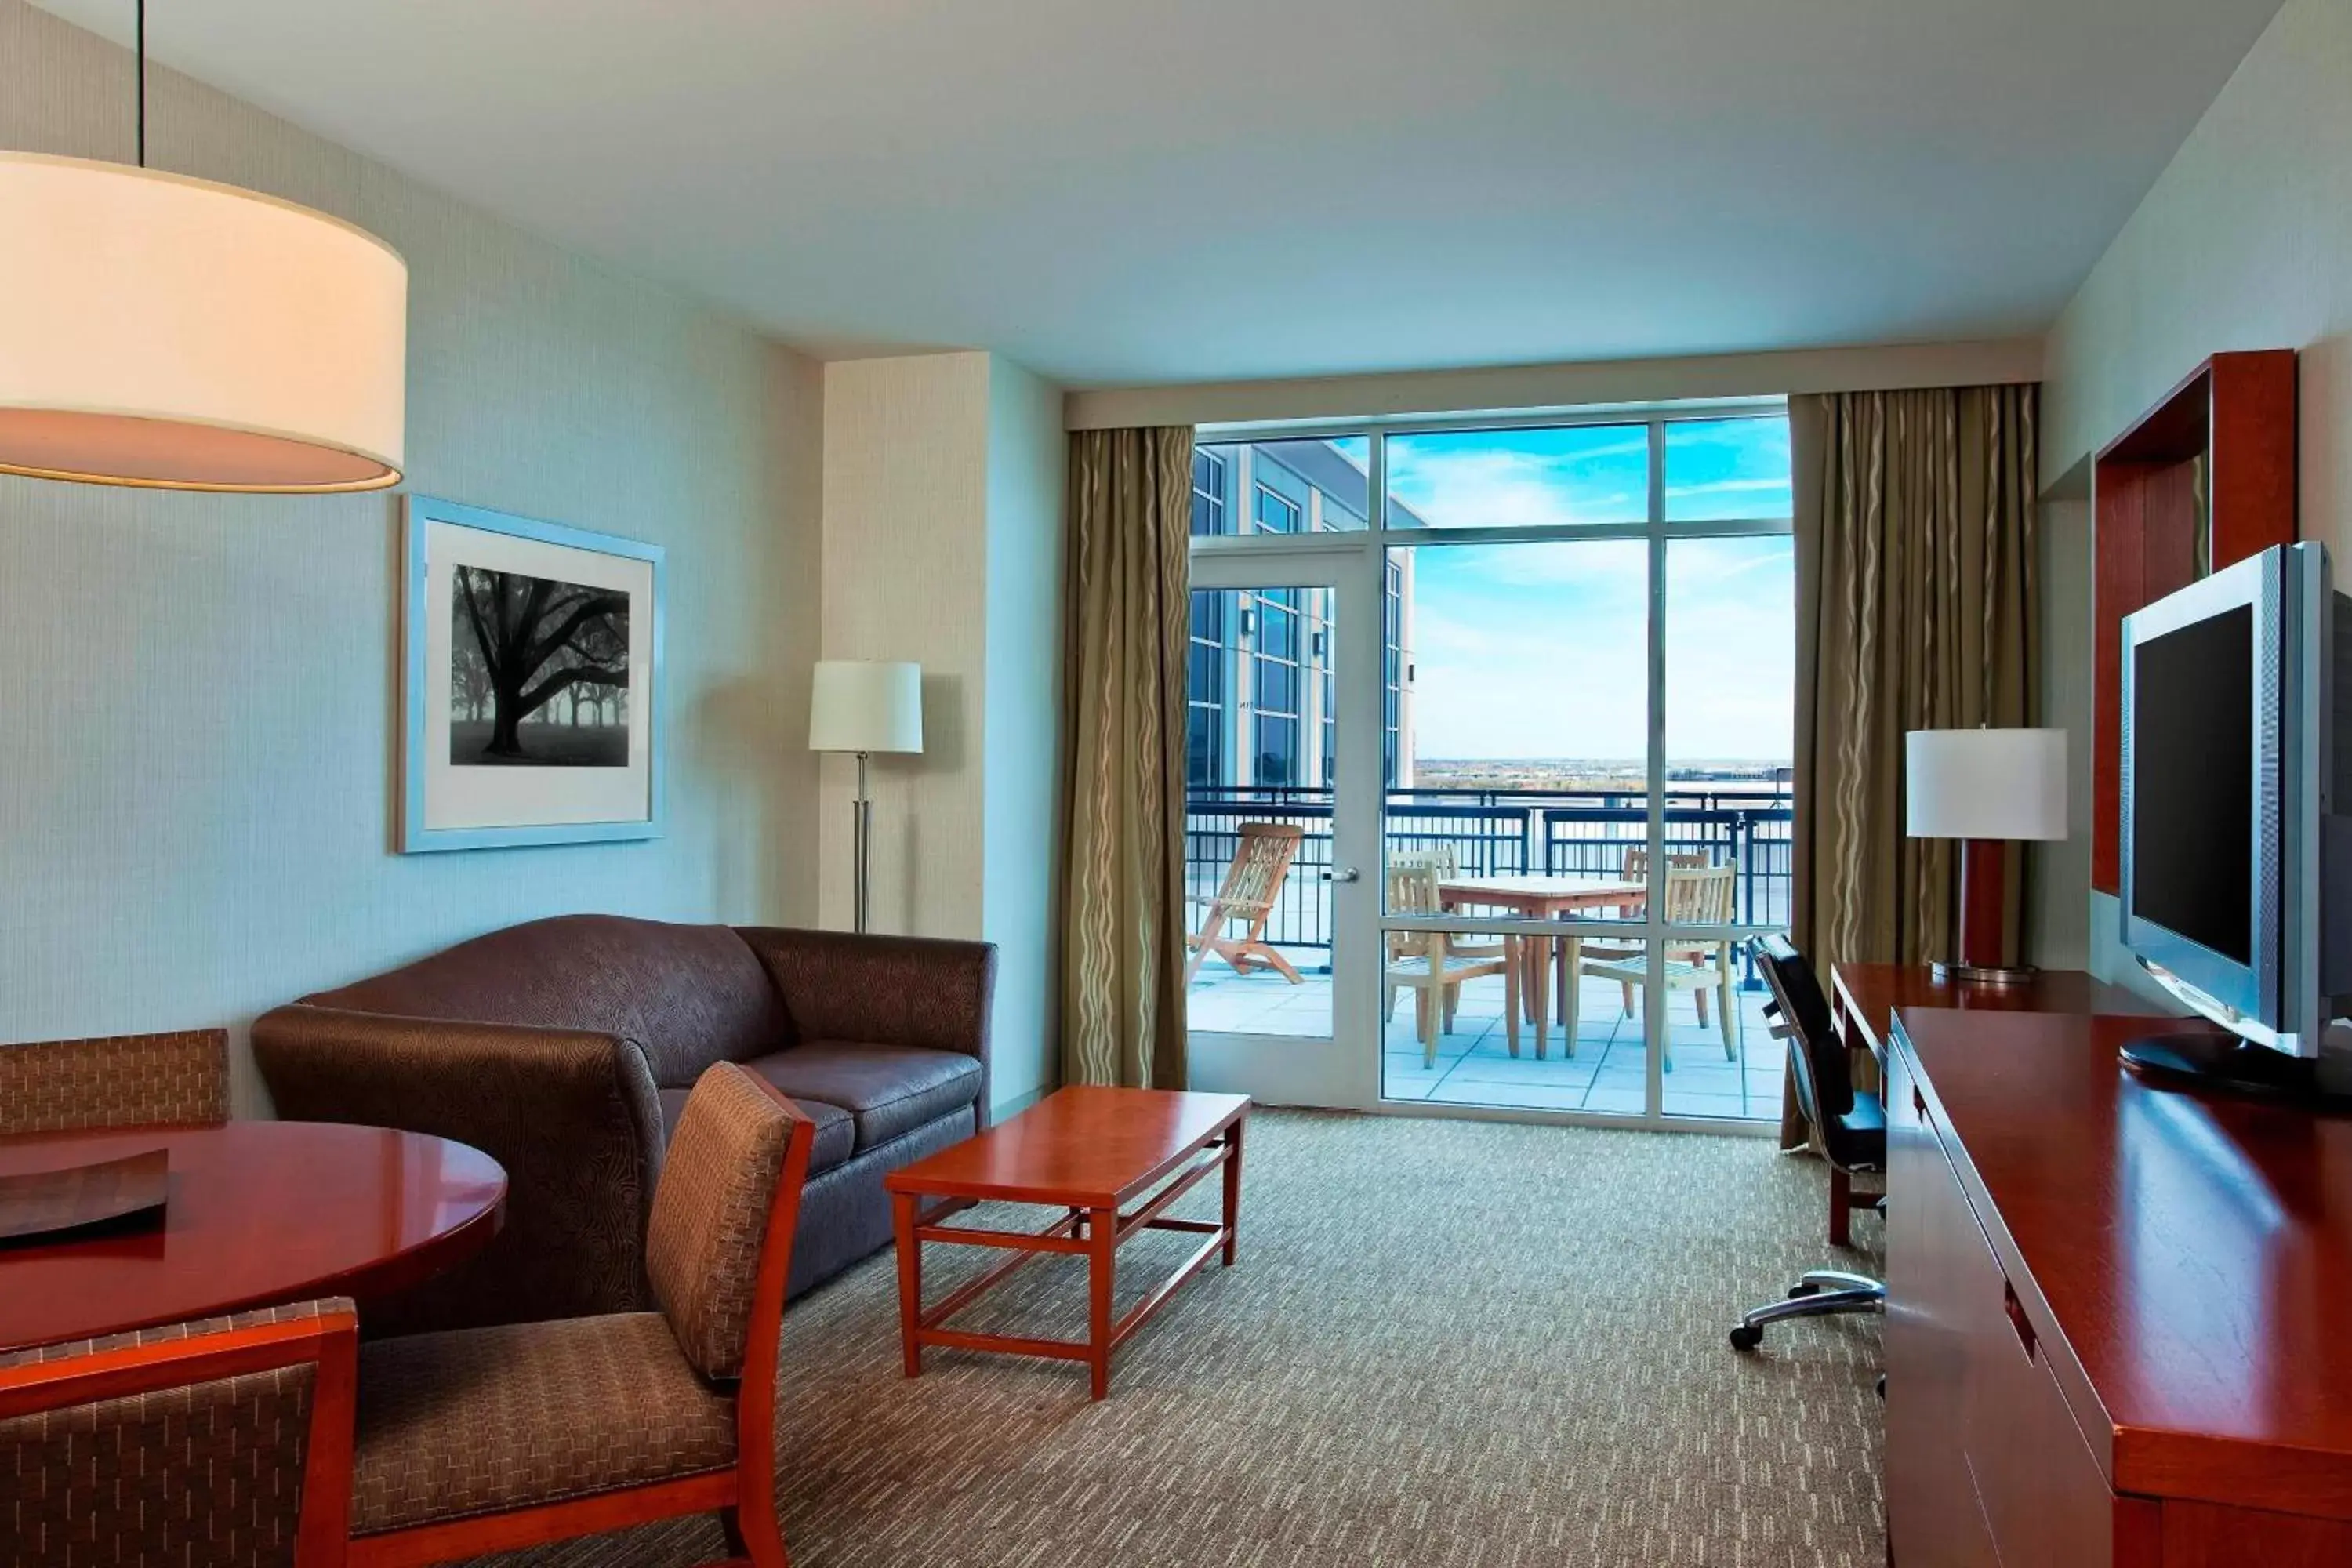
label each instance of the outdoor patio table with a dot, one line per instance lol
(1543, 898)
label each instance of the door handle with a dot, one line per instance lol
(1343, 874)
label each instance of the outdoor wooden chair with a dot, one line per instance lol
(1695, 895)
(1252, 882)
(1637, 869)
(1430, 964)
(220, 1444)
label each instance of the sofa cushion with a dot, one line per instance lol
(886, 1089)
(690, 996)
(835, 1138)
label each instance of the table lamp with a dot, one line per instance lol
(1984, 787)
(865, 706)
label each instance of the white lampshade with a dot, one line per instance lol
(1986, 784)
(174, 333)
(865, 705)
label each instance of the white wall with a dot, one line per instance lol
(942, 544)
(199, 692)
(2245, 242)
(1525, 388)
(1021, 730)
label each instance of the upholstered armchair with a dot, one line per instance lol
(221, 1444)
(489, 1439)
(120, 1080)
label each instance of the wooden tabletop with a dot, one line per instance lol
(1540, 891)
(258, 1212)
(1870, 995)
(1082, 1146)
(2195, 1250)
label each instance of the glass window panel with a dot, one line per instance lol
(1466, 1059)
(1727, 469)
(1731, 650)
(1721, 1061)
(1520, 478)
(1522, 729)
(1283, 487)
(1249, 764)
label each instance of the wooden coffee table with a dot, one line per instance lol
(1090, 1152)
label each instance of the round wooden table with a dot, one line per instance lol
(258, 1212)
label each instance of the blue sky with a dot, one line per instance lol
(1539, 650)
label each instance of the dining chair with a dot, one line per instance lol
(490, 1439)
(1253, 880)
(1695, 895)
(1430, 964)
(219, 1444)
(115, 1080)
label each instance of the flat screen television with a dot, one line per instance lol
(2231, 856)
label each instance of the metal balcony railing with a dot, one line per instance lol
(1499, 833)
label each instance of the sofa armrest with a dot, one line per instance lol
(571, 1114)
(883, 990)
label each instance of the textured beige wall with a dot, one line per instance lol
(943, 544)
(199, 691)
(2245, 242)
(906, 564)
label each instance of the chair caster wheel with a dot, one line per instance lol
(1799, 1291)
(1744, 1338)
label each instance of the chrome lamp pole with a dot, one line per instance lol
(862, 707)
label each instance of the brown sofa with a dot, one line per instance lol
(564, 1048)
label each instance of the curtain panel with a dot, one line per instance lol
(1917, 608)
(1126, 598)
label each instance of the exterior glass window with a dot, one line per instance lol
(1280, 689)
(1276, 513)
(1205, 692)
(1211, 480)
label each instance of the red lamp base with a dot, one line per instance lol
(1984, 870)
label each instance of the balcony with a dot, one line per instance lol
(1496, 833)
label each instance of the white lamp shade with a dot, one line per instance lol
(1986, 784)
(174, 333)
(865, 705)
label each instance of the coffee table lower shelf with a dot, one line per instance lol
(1093, 1233)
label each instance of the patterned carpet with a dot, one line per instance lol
(1446, 1343)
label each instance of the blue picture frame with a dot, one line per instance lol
(415, 834)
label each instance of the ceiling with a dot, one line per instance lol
(1115, 192)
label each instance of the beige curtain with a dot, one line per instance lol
(1123, 958)
(1917, 608)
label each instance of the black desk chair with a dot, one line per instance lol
(1852, 1128)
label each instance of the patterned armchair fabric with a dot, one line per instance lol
(192, 1471)
(528, 1427)
(121, 1080)
(710, 1215)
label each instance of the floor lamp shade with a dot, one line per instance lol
(178, 334)
(865, 705)
(1984, 787)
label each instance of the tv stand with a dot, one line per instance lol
(2227, 1063)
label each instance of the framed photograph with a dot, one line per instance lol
(531, 658)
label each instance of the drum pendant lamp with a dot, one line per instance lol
(176, 334)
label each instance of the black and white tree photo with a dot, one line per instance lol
(539, 672)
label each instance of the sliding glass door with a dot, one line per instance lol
(1568, 690)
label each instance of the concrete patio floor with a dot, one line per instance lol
(1474, 1066)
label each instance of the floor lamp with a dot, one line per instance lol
(865, 706)
(1984, 787)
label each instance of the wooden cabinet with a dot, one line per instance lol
(2092, 1296)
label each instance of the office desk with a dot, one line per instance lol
(1866, 997)
(2115, 1315)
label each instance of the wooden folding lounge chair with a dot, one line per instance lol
(1253, 880)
